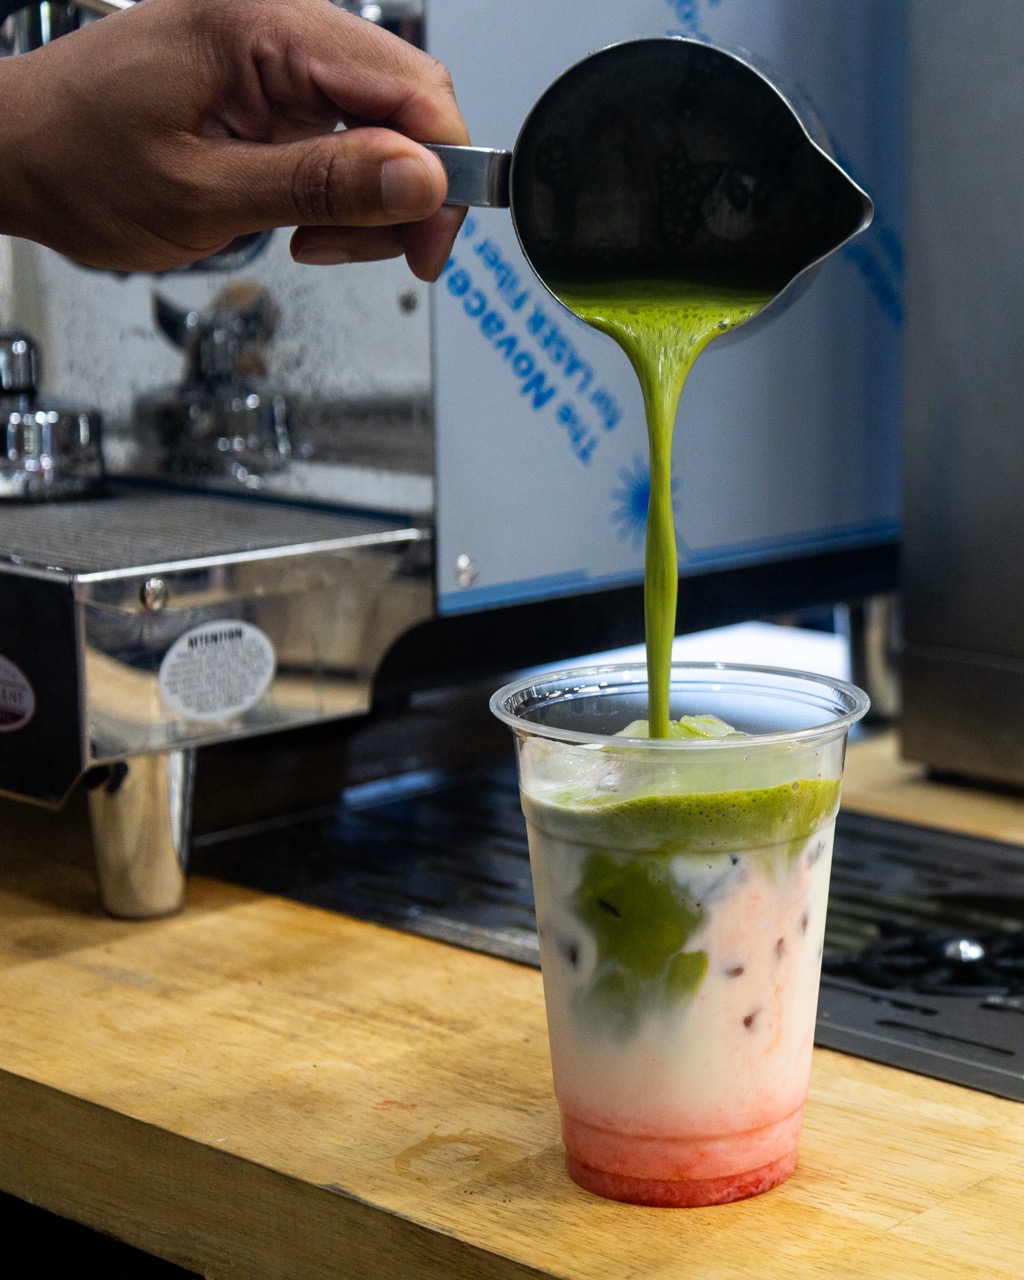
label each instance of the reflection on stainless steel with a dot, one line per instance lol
(402, 17)
(25, 25)
(95, 596)
(141, 816)
(368, 453)
(477, 176)
(46, 451)
(103, 7)
(220, 421)
(966, 950)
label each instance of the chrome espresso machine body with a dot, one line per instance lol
(323, 486)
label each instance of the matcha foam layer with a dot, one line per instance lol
(689, 823)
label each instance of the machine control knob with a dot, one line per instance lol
(19, 364)
(46, 451)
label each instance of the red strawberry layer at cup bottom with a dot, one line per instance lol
(680, 1171)
(663, 1193)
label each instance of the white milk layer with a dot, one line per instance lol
(733, 1056)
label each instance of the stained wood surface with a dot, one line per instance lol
(259, 1089)
(878, 780)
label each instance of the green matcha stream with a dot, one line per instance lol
(639, 915)
(662, 326)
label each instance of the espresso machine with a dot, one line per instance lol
(289, 500)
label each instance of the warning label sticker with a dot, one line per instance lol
(217, 670)
(17, 698)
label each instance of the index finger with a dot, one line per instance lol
(368, 74)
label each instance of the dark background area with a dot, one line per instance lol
(40, 1246)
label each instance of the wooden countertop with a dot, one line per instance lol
(259, 1089)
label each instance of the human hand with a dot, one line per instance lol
(153, 137)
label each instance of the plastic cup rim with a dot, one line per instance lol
(858, 702)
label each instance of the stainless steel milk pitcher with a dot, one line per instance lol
(667, 157)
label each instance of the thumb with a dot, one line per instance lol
(360, 177)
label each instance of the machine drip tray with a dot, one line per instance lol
(924, 952)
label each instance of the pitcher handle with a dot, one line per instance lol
(477, 176)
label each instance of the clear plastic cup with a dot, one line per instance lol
(681, 889)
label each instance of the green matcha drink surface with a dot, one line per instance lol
(705, 822)
(662, 325)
